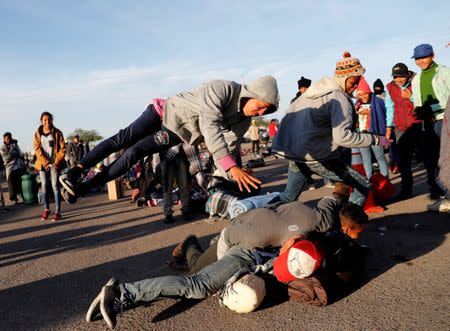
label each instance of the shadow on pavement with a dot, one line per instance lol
(55, 299)
(396, 239)
(80, 238)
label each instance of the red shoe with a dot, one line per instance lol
(45, 214)
(56, 217)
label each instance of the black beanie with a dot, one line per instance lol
(378, 86)
(304, 82)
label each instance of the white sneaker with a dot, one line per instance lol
(441, 206)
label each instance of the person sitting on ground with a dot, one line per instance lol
(317, 124)
(218, 113)
(115, 297)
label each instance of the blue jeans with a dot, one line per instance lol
(366, 155)
(200, 285)
(52, 177)
(393, 151)
(334, 169)
(139, 139)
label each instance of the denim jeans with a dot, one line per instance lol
(393, 150)
(197, 258)
(334, 169)
(47, 178)
(139, 139)
(200, 285)
(366, 155)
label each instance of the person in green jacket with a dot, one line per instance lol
(430, 92)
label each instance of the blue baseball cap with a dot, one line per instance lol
(423, 50)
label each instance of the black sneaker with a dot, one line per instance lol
(71, 179)
(169, 219)
(110, 305)
(436, 194)
(94, 309)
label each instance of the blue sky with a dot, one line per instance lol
(97, 64)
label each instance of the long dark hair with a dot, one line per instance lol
(46, 113)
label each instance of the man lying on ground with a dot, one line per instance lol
(270, 227)
(115, 297)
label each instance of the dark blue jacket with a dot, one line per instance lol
(377, 116)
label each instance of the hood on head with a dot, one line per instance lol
(264, 89)
(322, 87)
(363, 86)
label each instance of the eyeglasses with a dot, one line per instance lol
(397, 76)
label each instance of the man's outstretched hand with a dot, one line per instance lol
(244, 179)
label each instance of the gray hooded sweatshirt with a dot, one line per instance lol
(12, 157)
(211, 113)
(317, 123)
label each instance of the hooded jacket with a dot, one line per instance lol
(441, 86)
(12, 157)
(318, 123)
(212, 113)
(60, 149)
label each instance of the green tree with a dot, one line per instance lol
(85, 135)
(261, 121)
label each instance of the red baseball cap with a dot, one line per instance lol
(300, 261)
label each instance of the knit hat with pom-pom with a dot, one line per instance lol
(348, 66)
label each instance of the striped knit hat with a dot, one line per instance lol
(348, 66)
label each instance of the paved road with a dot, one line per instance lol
(49, 272)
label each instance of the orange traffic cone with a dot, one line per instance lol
(357, 164)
